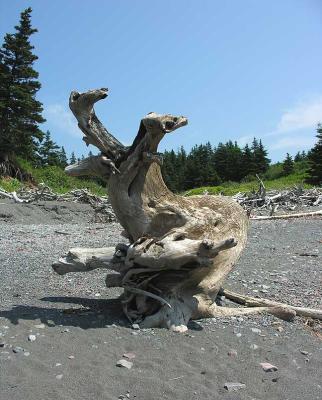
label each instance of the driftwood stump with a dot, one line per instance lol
(178, 250)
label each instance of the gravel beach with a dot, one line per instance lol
(61, 337)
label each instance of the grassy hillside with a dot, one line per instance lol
(57, 180)
(52, 176)
(272, 180)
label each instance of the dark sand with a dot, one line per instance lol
(74, 355)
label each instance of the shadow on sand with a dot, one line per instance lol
(90, 313)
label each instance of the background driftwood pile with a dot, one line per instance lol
(101, 204)
(265, 202)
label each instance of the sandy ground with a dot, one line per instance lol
(81, 334)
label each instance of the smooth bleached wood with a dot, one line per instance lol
(180, 249)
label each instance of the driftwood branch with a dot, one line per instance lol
(259, 302)
(180, 249)
(287, 216)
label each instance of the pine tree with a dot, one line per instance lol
(298, 157)
(315, 160)
(49, 152)
(63, 158)
(20, 112)
(288, 165)
(72, 158)
(260, 160)
(247, 161)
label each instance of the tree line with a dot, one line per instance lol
(21, 135)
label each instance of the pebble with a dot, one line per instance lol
(124, 364)
(32, 338)
(256, 330)
(305, 353)
(26, 353)
(254, 346)
(232, 353)
(18, 349)
(71, 357)
(2, 344)
(136, 326)
(267, 367)
(234, 386)
(40, 326)
(59, 377)
(238, 334)
(129, 355)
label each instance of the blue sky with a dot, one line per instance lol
(236, 69)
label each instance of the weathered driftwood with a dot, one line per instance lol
(288, 216)
(268, 202)
(180, 248)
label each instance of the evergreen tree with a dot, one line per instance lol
(288, 165)
(298, 157)
(247, 161)
(315, 160)
(72, 158)
(63, 157)
(260, 160)
(49, 152)
(20, 112)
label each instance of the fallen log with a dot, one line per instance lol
(287, 216)
(260, 302)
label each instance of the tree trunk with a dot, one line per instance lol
(180, 249)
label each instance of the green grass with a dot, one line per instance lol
(54, 177)
(231, 188)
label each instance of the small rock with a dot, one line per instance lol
(124, 364)
(71, 357)
(40, 326)
(134, 333)
(305, 353)
(18, 349)
(58, 365)
(97, 294)
(59, 377)
(26, 353)
(2, 344)
(129, 355)
(32, 338)
(238, 334)
(234, 386)
(280, 328)
(267, 367)
(254, 346)
(256, 330)
(136, 326)
(65, 330)
(232, 353)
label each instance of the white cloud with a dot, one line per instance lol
(62, 120)
(291, 142)
(304, 115)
